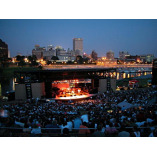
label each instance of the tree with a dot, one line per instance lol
(55, 58)
(86, 59)
(30, 58)
(21, 61)
(33, 59)
(20, 58)
(70, 62)
(34, 63)
(79, 59)
(48, 62)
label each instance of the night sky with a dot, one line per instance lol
(135, 36)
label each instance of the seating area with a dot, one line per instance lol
(98, 116)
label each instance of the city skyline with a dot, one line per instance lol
(135, 36)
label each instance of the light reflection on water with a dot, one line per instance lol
(117, 76)
(129, 75)
(124, 75)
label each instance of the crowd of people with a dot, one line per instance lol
(98, 116)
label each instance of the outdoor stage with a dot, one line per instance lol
(77, 97)
(64, 84)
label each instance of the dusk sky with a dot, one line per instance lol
(135, 36)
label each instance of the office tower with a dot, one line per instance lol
(78, 46)
(110, 55)
(123, 54)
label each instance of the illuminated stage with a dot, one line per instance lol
(71, 89)
(77, 97)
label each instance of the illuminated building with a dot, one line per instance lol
(42, 53)
(58, 47)
(65, 56)
(132, 59)
(61, 52)
(47, 55)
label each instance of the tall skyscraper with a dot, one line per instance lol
(78, 44)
